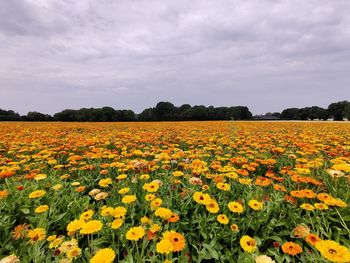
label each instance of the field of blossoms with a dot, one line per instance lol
(175, 192)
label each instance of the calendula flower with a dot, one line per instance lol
(37, 194)
(201, 198)
(105, 182)
(312, 239)
(255, 205)
(128, 199)
(222, 219)
(135, 233)
(124, 191)
(151, 187)
(235, 207)
(178, 240)
(120, 212)
(234, 228)
(87, 215)
(91, 227)
(212, 206)
(36, 234)
(162, 212)
(10, 259)
(291, 248)
(39, 177)
(117, 223)
(308, 207)
(107, 211)
(164, 246)
(41, 209)
(264, 259)
(333, 251)
(75, 225)
(105, 255)
(248, 244)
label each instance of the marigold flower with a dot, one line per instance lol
(37, 194)
(248, 244)
(333, 251)
(264, 259)
(255, 205)
(222, 219)
(164, 246)
(41, 209)
(105, 255)
(91, 227)
(36, 234)
(235, 207)
(135, 233)
(312, 239)
(178, 240)
(291, 248)
(128, 199)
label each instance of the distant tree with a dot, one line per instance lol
(347, 111)
(146, 115)
(165, 111)
(290, 114)
(337, 109)
(9, 115)
(37, 116)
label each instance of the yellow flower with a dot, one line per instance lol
(124, 191)
(164, 246)
(201, 198)
(91, 227)
(107, 211)
(119, 212)
(37, 194)
(122, 176)
(135, 233)
(222, 219)
(57, 187)
(255, 205)
(150, 197)
(333, 251)
(212, 206)
(75, 225)
(101, 196)
(10, 259)
(36, 234)
(154, 228)
(105, 255)
(248, 244)
(320, 206)
(178, 173)
(117, 223)
(56, 242)
(308, 207)
(234, 228)
(129, 199)
(87, 215)
(75, 183)
(39, 177)
(73, 252)
(105, 182)
(223, 186)
(41, 209)
(156, 203)
(151, 187)
(144, 176)
(235, 207)
(162, 212)
(68, 245)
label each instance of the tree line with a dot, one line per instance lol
(163, 111)
(166, 111)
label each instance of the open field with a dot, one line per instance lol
(175, 192)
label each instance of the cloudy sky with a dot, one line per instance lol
(265, 54)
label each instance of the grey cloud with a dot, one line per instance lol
(265, 54)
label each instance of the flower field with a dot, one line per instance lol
(175, 192)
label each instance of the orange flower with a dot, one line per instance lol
(291, 248)
(312, 239)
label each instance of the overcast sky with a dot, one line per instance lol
(265, 54)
